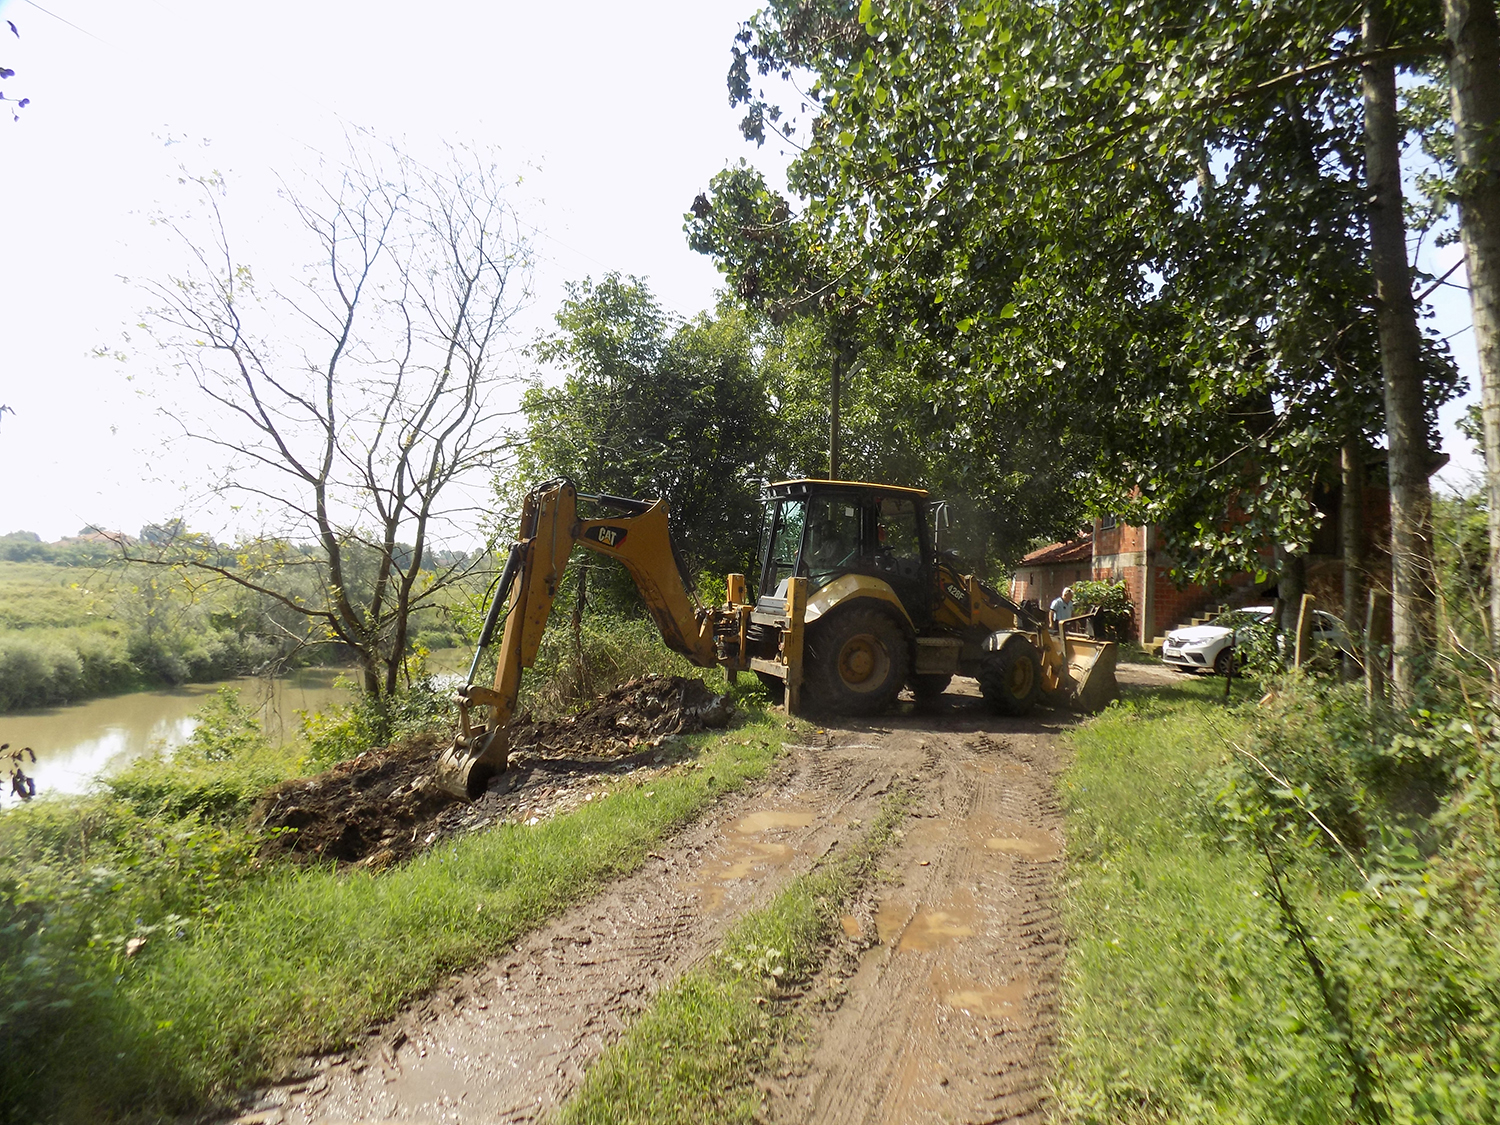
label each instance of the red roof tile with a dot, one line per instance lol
(1079, 550)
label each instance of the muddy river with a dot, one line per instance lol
(74, 744)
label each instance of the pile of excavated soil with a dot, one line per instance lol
(643, 710)
(385, 805)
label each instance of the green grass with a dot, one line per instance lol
(44, 596)
(693, 1055)
(1180, 1001)
(279, 962)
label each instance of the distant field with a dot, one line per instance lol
(44, 596)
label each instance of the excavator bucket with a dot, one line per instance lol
(467, 765)
(1091, 670)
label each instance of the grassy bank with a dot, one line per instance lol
(74, 632)
(1283, 913)
(694, 1054)
(140, 928)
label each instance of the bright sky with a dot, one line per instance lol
(615, 114)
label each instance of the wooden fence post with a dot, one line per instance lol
(1304, 630)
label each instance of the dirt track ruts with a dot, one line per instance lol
(940, 1006)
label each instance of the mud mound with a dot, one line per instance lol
(380, 802)
(643, 710)
(384, 805)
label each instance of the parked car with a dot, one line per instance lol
(1204, 648)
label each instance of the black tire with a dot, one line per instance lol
(775, 688)
(1011, 679)
(1223, 661)
(929, 685)
(856, 662)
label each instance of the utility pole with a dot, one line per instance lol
(833, 413)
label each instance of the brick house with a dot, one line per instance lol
(1111, 551)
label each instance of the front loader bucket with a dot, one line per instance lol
(1091, 668)
(466, 767)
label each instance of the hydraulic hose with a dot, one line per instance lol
(502, 591)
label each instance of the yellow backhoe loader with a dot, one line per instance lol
(852, 603)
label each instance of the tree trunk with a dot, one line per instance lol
(580, 673)
(1474, 69)
(1413, 599)
(372, 677)
(1290, 586)
(1352, 544)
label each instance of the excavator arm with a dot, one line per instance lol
(550, 528)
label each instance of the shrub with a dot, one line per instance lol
(369, 721)
(1116, 620)
(35, 672)
(610, 650)
(224, 766)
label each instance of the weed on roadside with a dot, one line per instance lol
(1282, 913)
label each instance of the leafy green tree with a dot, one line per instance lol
(650, 407)
(1005, 480)
(1142, 225)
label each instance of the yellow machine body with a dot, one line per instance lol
(840, 636)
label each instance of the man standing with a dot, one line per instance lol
(1062, 608)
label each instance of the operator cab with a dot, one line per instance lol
(822, 530)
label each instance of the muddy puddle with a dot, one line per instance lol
(753, 846)
(1015, 839)
(924, 928)
(1004, 1001)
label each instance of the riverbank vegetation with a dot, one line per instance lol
(71, 630)
(140, 925)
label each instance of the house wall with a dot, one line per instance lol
(1044, 582)
(1120, 554)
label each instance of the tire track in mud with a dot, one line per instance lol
(943, 1007)
(507, 1042)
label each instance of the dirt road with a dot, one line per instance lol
(940, 1005)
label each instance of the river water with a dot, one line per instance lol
(74, 744)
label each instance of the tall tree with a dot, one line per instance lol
(652, 406)
(1142, 225)
(351, 407)
(1413, 596)
(1474, 69)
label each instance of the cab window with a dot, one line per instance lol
(833, 534)
(785, 525)
(898, 548)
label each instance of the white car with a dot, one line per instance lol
(1203, 648)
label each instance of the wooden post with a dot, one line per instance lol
(1377, 644)
(1304, 630)
(796, 609)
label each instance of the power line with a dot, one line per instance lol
(69, 22)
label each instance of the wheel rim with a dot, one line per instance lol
(1019, 678)
(863, 663)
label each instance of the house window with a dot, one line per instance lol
(1107, 522)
